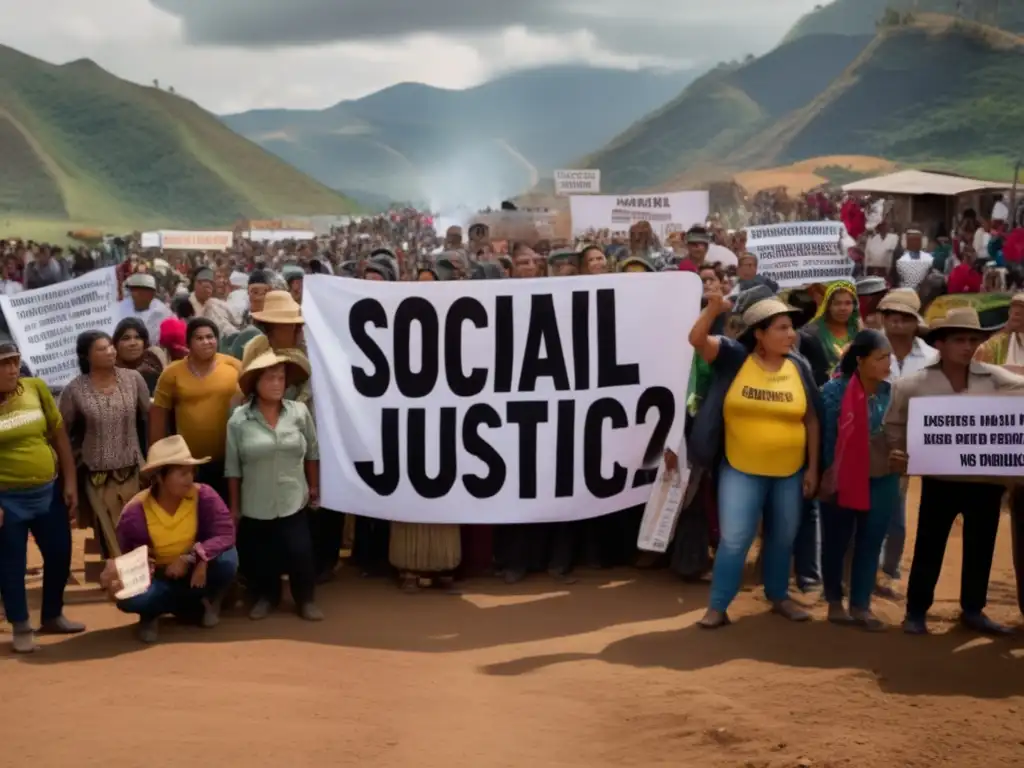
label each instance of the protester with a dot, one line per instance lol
(10, 284)
(206, 305)
(870, 292)
(38, 491)
(823, 340)
(142, 303)
(957, 337)
(880, 249)
(1006, 348)
(860, 491)
(131, 341)
(593, 261)
(190, 538)
(915, 263)
(761, 421)
(44, 269)
(698, 241)
(966, 276)
(172, 340)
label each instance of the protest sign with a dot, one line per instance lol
(45, 322)
(666, 213)
(504, 401)
(133, 573)
(150, 240)
(801, 253)
(185, 240)
(962, 435)
(577, 182)
(279, 235)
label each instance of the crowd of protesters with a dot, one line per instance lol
(190, 429)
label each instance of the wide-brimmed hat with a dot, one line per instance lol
(871, 286)
(629, 261)
(171, 452)
(1018, 298)
(141, 280)
(902, 300)
(765, 309)
(279, 307)
(956, 319)
(294, 373)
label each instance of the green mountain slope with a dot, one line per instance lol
(413, 141)
(82, 146)
(936, 91)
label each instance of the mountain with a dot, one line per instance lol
(413, 141)
(82, 147)
(934, 90)
(859, 17)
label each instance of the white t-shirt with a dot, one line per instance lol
(981, 238)
(10, 287)
(913, 271)
(151, 318)
(921, 355)
(878, 251)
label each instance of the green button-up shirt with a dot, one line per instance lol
(271, 462)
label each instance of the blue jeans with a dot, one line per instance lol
(41, 512)
(840, 525)
(742, 500)
(896, 538)
(177, 596)
(807, 547)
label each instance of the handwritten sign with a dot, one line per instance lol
(133, 572)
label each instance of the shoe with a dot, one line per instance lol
(260, 609)
(310, 612)
(24, 639)
(867, 620)
(837, 614)
(61, 626)
(886, 588)
(148, 630)
(714, 619)
(982, 624)
(915, 626)
(790, 610)
(514, 576)
(211, 614)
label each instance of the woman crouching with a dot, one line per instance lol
(191, 540)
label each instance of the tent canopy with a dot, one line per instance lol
(923, 183)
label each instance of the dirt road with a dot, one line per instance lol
(609, 672)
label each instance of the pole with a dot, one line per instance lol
(1012, 223)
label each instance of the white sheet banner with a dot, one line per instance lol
(801, 253)
(504, 401)
(150, 240)
(199, 240)
(45, 322)
(279, 235)
(667, 213)
(577, 182)
(963, 435)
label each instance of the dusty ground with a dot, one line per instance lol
(609, 672)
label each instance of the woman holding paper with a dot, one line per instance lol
(33, 447)
(759, 424)
(190, 537)
(861, 492)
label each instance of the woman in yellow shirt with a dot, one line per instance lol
(759, 424)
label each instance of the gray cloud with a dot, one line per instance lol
(674, 29)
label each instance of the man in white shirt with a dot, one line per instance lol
(900, 315)
(914, 265)
(8, 285)
(879, 249)
(143, 304)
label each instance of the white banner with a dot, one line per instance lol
(586, 182)
(962, 435)
(667, 213)
(45, 322)
(279, 235)
(186, 240)
(801, 253)
(511, 401)
(150, 240)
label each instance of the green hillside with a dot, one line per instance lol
(83, 147)
(935, 91)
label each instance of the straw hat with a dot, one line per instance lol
(956, 319)
(294, 373)
(902, 300)
(279, 307)
(1018, 298)
(766, 309)
(141, 280)
(171, 452)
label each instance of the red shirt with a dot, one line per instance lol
(686, 265)
(964, 279)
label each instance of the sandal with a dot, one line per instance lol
(791, 610)
(868, 620)
(837, 614)
(714, 619)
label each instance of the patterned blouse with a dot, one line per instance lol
(106, 422)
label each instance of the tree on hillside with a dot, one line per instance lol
(156, 83)
(891, 18)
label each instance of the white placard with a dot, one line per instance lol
(46, 322)
(195, 240)
(504, 401)
(801, 253)
(662, 511)
(667, 213)
(583, 182)
(279, 235)
(150, 240)
(133, 573)
(963, 435)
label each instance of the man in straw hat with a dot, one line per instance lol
(190, 538)
(957, 337)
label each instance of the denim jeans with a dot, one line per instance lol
(840, 525)
(896, 537)
(807, 547)
(742, 500)
(177, 596)
(41, 512)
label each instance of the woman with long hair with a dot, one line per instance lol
(593, 261)
(38, 493)
(860, 493)
(101, 409)
(760, 425)
(131, 341)
(824, 339)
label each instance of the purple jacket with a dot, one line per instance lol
(215, 533)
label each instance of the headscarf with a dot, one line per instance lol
(834, 347)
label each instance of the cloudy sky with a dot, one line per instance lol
(232, 55)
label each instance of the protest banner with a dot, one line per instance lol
(150, 240)
(801, 253)
(45, 322)
(577, 182)
(187, 240)
(666, 213)
(505, 401)
(964, 435)
(279, 235)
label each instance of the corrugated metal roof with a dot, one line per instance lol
(923, 183)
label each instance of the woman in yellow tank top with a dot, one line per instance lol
(763, 418)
